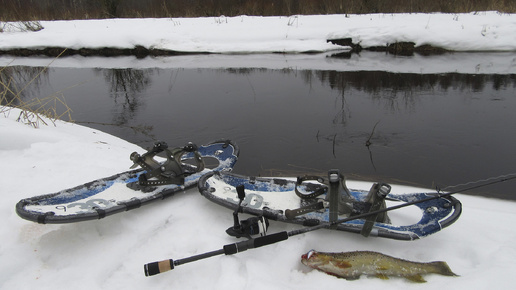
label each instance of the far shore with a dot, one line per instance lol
(399, 48)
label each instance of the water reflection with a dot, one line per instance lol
(379, 82)
(126, 89)
(20, 82)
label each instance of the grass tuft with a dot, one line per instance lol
(35, 111)
(20, 26)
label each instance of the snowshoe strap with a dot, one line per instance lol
(376, 198)
(346, 200)
(292, 213)
(316, 189)
(333, 196)
(172, 171)
(338, 199)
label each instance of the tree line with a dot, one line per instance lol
(25, 10)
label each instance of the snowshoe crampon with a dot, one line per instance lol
(313, 201)
(131, 189)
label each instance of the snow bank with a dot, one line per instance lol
(110, 253)
(479, 31)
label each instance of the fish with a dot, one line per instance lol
(351, 265)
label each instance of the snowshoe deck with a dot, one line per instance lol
(276, 198)
(122, 192)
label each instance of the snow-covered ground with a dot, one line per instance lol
(110, 253)
(479, 31)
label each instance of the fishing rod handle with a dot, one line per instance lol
(155, 268)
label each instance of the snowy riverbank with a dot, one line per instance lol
(110, 253)
(478, 31)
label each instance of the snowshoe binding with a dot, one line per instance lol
(313, 201)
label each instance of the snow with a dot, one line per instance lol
(478, 31)
(110, 253)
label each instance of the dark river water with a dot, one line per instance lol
(425, 129)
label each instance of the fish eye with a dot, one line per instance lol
(309, 254)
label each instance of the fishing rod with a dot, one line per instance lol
(155, 268)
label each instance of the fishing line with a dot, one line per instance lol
(500, 178)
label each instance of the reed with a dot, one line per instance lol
(23, 26)
(36, 110)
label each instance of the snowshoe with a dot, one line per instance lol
(131, 189)
(313, 201)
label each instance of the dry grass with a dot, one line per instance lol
(23, 26)
(35, 111)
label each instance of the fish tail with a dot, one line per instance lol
(442, 268)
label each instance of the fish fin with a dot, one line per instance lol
(382, 276)
(354, 277)
(351, 277)
(416, 278)
(442, 268)
(343, 264)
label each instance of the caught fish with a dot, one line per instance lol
(351, 265)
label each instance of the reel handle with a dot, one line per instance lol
(241, 192)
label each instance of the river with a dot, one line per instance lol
(429, 121)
